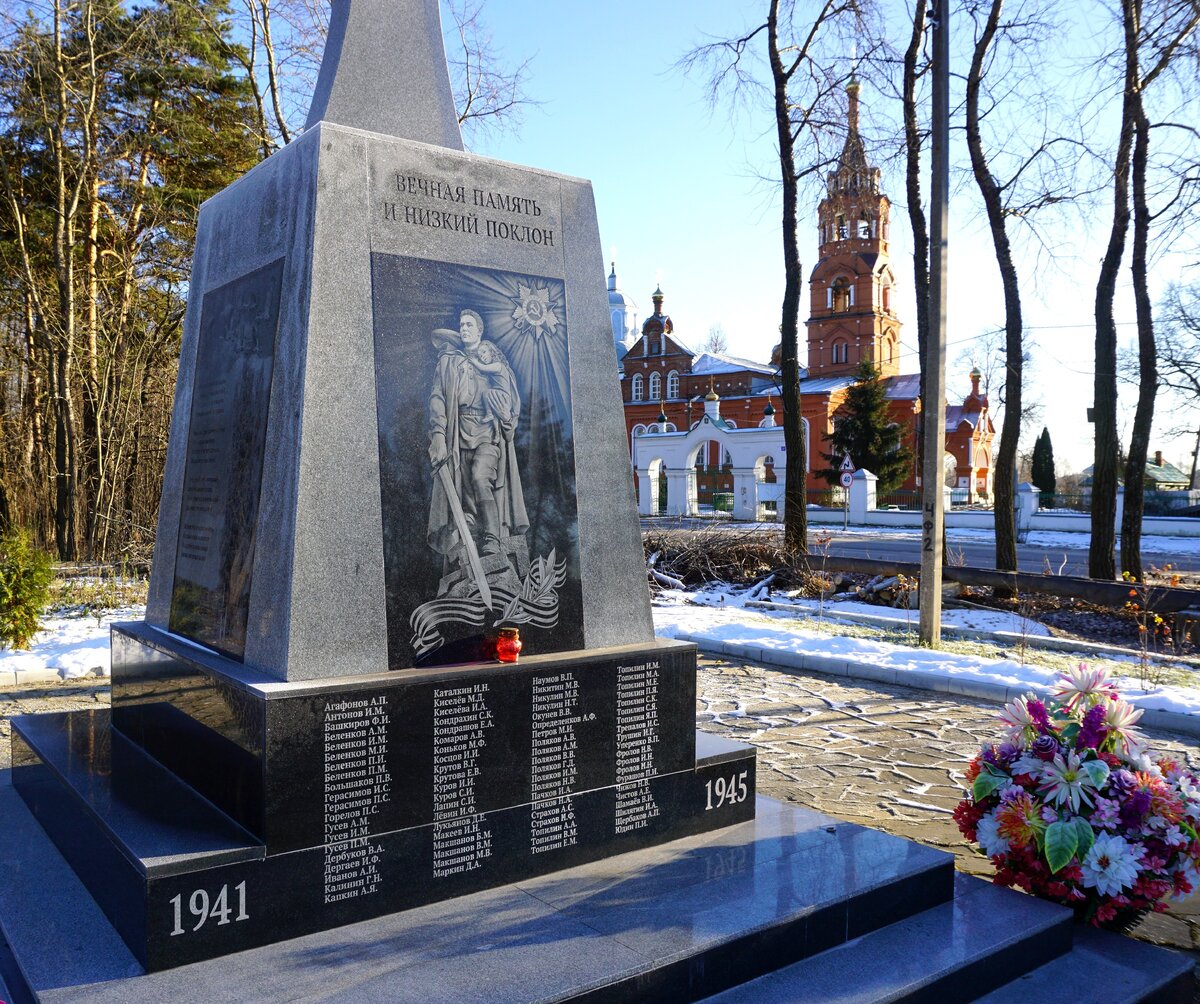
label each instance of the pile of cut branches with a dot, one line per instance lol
(680, 559)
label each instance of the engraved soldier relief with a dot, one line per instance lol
(500, 536)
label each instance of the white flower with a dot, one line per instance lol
(1120, 718)
(1015, 714)
(1027, 764)
(1111, 865)
(1064, 782)
(1085, 686)
(988, 836)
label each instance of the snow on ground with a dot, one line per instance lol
(723, 616)
(71, 646)
(979, 620)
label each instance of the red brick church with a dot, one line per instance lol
(852, 318)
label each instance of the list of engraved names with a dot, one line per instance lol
(461, 719)
(555, 716)
(637, 737)
(357, 784)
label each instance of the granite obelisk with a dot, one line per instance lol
(299, 526)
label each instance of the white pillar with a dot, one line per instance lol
(1027, 502)
(1120, 510)
(681, 492)
(745, 493)
(647, 493)
(862, 496)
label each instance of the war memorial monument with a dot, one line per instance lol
(397, 432)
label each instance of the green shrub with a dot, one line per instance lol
(24, 588)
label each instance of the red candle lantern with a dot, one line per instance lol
(508, 645)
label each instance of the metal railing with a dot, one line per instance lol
(904, 500)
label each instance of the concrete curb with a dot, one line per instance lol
(983, 690)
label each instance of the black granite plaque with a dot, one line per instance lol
(210, 597)
(477, 460)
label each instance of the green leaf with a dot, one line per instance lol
(1086, 835)
(985, 785)
(1062, 840)
(1097, 770)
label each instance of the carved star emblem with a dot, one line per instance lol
(534, 311)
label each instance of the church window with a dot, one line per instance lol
(655, 386)
(843, 294)
(673, 384)
(636, 390)
(889, 349)
(841, 352)
(887, 297)
(841, 227)
(864, 227)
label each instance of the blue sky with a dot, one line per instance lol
(680, 197)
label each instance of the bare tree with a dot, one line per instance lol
(489, 93)
(1171, 25)
(1025, 171)
(914, 68)
(716, 340)
(802, 50)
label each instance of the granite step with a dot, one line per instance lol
(1104, 968)
(121, 819)
(73, 770)
(990, 945)
(954, 952)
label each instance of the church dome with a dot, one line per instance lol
(622, 311)
(658, 322)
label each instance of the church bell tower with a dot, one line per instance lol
(852, 313)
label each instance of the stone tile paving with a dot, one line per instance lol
(880, 755)
(883, 756)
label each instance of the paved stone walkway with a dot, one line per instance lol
(881, 755)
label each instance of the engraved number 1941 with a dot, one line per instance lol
(203, 909)
(724, 791)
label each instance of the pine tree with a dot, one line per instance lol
(1042, 465)
(867, 434)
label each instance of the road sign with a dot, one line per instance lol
(847, 479)
(848, 464)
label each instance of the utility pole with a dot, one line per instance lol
(933, 505)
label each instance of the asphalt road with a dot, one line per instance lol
(974, 552)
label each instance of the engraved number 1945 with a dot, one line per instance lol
(203, 909)
(721, 791)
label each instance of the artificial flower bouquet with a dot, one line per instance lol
(1071, 806)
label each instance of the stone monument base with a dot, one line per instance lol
(213, 810)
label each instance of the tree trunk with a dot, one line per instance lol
(1101, 552)
(795, 516)
(1139, 441)
(1006, 457)
(916, 213)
